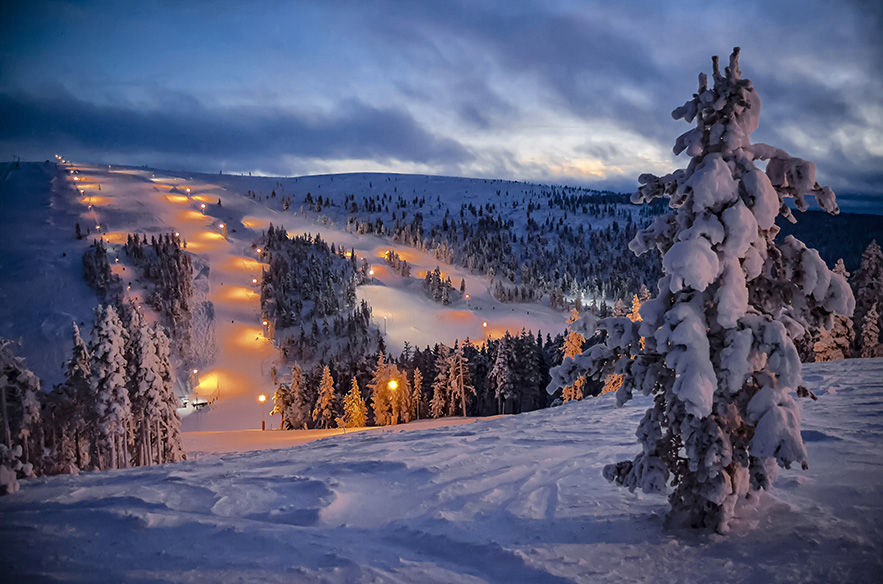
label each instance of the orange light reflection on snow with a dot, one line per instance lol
(190, 215)
(249, 337)
(233, 294)
(244, 265)
(255, 223)
(177, 199)
(95, 200)
(115, 237)
(204, 199)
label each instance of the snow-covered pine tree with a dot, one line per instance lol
(619, 309)
(417, 394)
(501, 377)
(441, 386)
(297, 413)
(402, 406)
(460, 381)
(835, 343)
(69, 406)
(385, 385)
(166, 422)
(281, 402)
(108, 389)
(323, 413)
(22, 433)
(573, 345)
(143, 379)
(719, 357)
(355, 414)
(867, 284)
(871, 334)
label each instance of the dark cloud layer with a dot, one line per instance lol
(186, 128)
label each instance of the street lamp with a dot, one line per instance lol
(384, 325)
(262, 398)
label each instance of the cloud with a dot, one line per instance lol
(187, 129)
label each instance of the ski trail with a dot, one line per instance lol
(244, 356)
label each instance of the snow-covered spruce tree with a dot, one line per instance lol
(719, 356)
(867, 283)
(573, 345)
(323, 413)
(110, 398)
(296, 413)
(459, 382)
(70, 414)
(416, 394)
(871, 334)
(355, 414)
(836, 342)
(21, 441)
(167, 423)
(501, 377)
(442, 384)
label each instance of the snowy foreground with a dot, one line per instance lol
(514, 499)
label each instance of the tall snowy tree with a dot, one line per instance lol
(108, 388)
(71, 420)
(166, 422)
(144, 388)
(417, 394)
(871, 334)
(460, 381)
(281, 402)
(501, 377)
(867, 283)
(21, 444)
(297, 411)
(835, 343)
(323, 413)
(386, 385)
(441, 387)
(355, 414)
(573, 345)
(719, 355)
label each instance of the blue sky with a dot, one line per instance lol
(555, 91)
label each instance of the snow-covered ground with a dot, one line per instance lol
(515, 499)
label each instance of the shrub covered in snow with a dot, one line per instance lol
(718, 353)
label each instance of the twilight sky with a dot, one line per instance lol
(575, 92)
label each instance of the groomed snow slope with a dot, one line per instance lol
(515, 499)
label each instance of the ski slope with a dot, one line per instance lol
(219, 223)
(519, 499)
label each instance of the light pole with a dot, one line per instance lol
(262, 398)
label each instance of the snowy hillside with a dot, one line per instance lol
(517, 499)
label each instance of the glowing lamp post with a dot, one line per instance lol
(202, 207)
(258, 250)
(392, 385)
(262, 398)
(254, 280)
(223, 227)
(384, 325)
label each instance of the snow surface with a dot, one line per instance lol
(509, 500)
